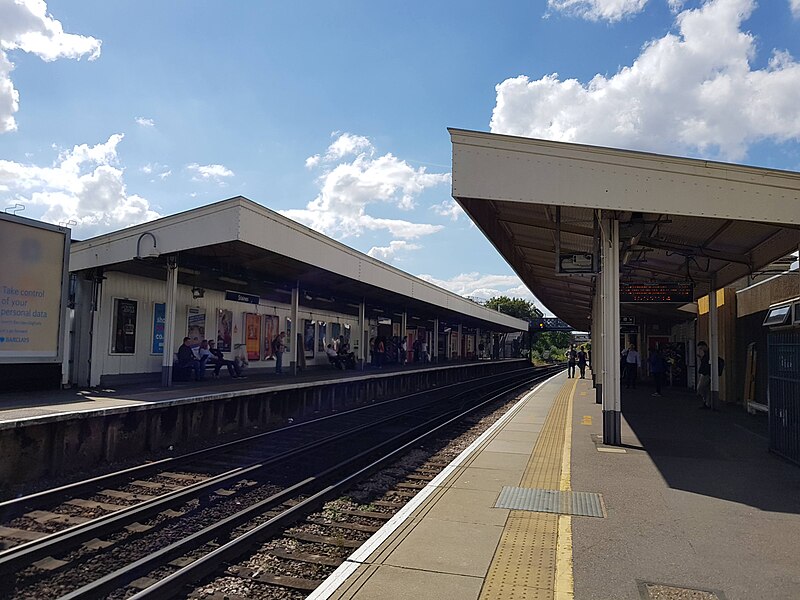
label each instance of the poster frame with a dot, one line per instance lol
(255, 320)
(63, 301)
(308, 349)
(115, 300)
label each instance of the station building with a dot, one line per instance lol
(239, 273)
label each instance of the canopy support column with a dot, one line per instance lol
(169, 321)
(435, 342)
(713, 342)
(362, 325)
(611, 351)
(295, 309)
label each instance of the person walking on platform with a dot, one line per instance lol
(632, 363)
(279, 347)
(704, 376)
(582, 362)
(572, 360)
(658, 367)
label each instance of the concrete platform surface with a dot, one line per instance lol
(696, 508)
(17, 407)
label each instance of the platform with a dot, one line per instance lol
(20, 408)
(692, 506)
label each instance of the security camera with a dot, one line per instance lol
(198, 292)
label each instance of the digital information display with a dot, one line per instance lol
(669, 291)
(31, 291)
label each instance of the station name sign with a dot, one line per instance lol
(668, 291)
(240, 297)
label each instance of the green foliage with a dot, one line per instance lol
(516, 307)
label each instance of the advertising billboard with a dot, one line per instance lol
(33, 279)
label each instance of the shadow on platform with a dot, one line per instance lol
(722, 454)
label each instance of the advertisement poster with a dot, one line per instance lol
(124, 326)
(308, 338)
(30, 290)
(195, 325)
(159, 318)
(289, 344)
(252, 335)
(224, 324)
(322, 331)
(271, 324)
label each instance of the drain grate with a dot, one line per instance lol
(649, 590)
(579, 504)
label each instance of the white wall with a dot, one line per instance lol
(148, 291)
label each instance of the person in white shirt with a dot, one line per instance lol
(632, 363)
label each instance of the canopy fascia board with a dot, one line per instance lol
(499, 167)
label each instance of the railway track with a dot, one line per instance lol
(219, 503)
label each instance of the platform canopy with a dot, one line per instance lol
(681, 220)
(239, 245)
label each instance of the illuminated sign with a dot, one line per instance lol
(240, 297)
(32, 288)
(669, 291)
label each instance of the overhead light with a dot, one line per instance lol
(187, 271)
(198, 292)
(232, 280)
(329, 300)
(308, 297)
(283, 291)
(152, 252)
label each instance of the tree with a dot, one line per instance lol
(516, 307)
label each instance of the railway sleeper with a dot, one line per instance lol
(343, 525)
(296, 583)
(324, 539)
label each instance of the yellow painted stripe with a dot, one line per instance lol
(533, 560)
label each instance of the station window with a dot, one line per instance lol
(123, 335)
(777, 316)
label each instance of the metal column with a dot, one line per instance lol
(295, 328)
(713, 342)
(598, 360)
(362, 324)
(435, 342)
(169, 321)
(609, 278)
(459, 344)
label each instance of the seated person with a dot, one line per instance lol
(187, 359)
(347, 359)
(218, 359)
(334, 357)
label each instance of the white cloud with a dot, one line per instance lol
(448, 208)
(349, 187)
(691, 92)
(215, 173)
(26, 26)
(481, 286)
(596, 10)
(391, 252)
(165, 174)
(145, 122)
(84, 185)
(605, 10)
(795, 6)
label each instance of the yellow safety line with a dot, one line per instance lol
(564, 584)
(533, 560)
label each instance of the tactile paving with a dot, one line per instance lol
(524, 565)
(579, 504)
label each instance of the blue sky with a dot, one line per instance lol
(335, 113)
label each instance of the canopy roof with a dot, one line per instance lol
(239, 245)
(681, 219)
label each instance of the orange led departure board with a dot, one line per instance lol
(668, 291)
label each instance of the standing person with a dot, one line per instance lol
(582, 362)
(704, 373)
(632, 363)
(572, 359)
(279, 347)
(401, 351)
(415, 347)
(658, 367)
(423, 351)
(380, 351)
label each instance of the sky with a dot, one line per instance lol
(336, 113)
